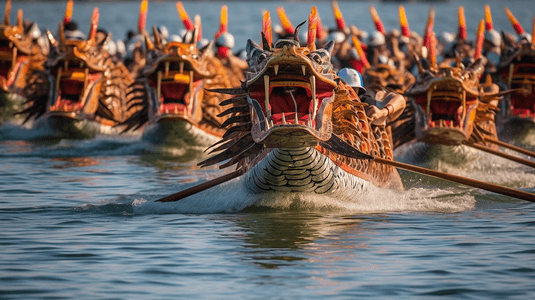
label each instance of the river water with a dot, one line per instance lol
(78, 220)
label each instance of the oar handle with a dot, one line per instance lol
(201, 187)
(509, 146)
(462, 180)
(517, 159)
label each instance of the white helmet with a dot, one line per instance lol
(376, 39)
(225, 40)
(524, 36)
(121, 48)
(352, 77)
(363, 35)
(446, 37)
(164, 33)
(176, 38)
(492, 36)
(337, 36)
(202, 43)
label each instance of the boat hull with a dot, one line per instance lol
(306, 170)
(178, 132)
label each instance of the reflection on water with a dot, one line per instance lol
(273, 239)
(74, 162)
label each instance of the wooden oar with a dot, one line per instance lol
(459, 179)
(462, 180)
(517, 159)
(201, 187)
(509, 146)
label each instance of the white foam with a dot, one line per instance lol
(233, 197)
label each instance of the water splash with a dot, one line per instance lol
(233, 197)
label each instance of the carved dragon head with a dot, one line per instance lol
(292, 99)
(516, 72)
(81, 80)
(291, 89)
(446, 99)
(172, 83)
(17, 53)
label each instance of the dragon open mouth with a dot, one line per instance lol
(75, 87)
(446, 104)
(520, 76)
(447, 108)
(9, 60)
(290, 101)
(6, 58)
(177, 86)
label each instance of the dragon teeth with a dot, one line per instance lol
(159, 85)
(314, 99)
(191, 93)
(304, 69)
(276, 69)
(181, 67)
(266, 96)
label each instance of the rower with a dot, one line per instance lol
(391, 104)
(224, 44)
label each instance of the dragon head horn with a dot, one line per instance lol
(142, 21)
(68, 12)
(157, 37)
(188, 24)
(94, 25)
(429, 26)
(516, 25)
(7, 11)
(433, 51)
(377, 21)
(267, 35)
(51, 39)
(312, 29)
(223, 22)
(198, 25)
(488, 18)
(20, 18)
(296, 32)
(148, 43)
(480, 36)
(285, 21)
(403, 23)
(462, 34)
(338, 17)
(61, 34)
(421, 69)
(533, 33)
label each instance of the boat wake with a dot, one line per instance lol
(233, 197)
(469, 162)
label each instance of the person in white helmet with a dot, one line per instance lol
(383, 106)
(224, 44)
(376, 46)
(492, 50)
(341, 52)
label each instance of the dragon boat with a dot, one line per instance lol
(18, 54)
(81, 91)
(452, 108)
(298, 128)
(515, 71)
(172, 92)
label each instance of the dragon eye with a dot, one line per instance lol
(317, 57)
(261, 58)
